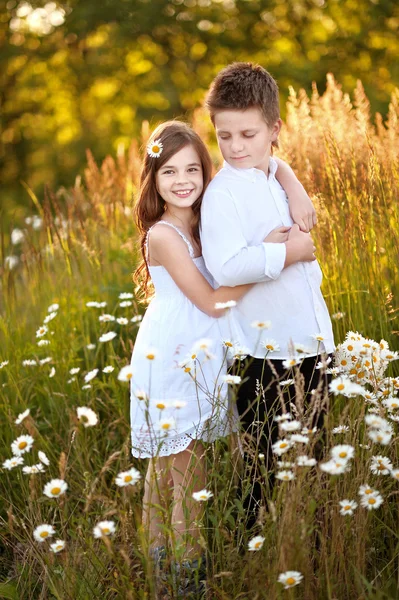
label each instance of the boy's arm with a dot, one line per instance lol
(301, 207)
(227, 256)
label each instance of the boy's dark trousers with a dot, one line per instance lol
(258, 405)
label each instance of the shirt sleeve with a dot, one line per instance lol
(225, 250)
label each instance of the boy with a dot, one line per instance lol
(243, 204)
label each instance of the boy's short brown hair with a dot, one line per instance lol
(244, 85)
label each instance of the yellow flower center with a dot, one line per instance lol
(44, 534)
(344, 362)
(105, 530)
(22, 445)
(394, 405)
(340, 386)
(347, 507)
(389, 356)
(385, 393)
(161, 406)
(128, 478)
(193, 356)
(187, 369)
(290, 581)
(155, 148)
(350, 347)
(343, 454)
(150, 356)
(368, 491)
(257, 544)
(129, 376)
(270, 347)
(283, 445)
(55, 490)
(166, 426)
(372, 501)
(203, 497)
(352, 371)
(228, 344)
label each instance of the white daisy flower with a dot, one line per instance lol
(74, 370)
(11, 463)
(347, 507)
(41, 331)
(32, 470)
(285, 475)
(371, 502)
(43, 458)
(108, 369)
(291, 362)
(281, 464)
(376, 422)
(318, 337)
(290, 425)
(29, 362)
(86, 387)
(122, 321)
(4, 364)
(231, 379)
(228, 304)
(389, 356)
(203, 345)
(52, 372)
(256, 543)
(22, 416)
(283, 417)
(11, 261)
(380, 465)
(104, 528)
(344, 386)
(298, 438)
(90, 375)
(340, 429)
(366, 490)
(342, 452)
(130, 477)
(22, 444)
(154, 148)
(57, 546)
(126, 373)
(281, 446)
(46, 360)
(305, 461)
(17, 236)
(151, 354)
(380, 436)
(105, 318)
(141, 395)
(395, 474)
(261, 324)
(160, 404)
(53, 307)
(324, 363)
(179, 404)
(307, 431)
(270, 345)
(55, 488)
(87, 416)
(167, 424)
(391, 403)
(42, 532)
(335, 467)
(338, 316)
(300, 348)
(202, 496)
(107, 337)
(90, 346)
(125, 296)
(49, 317)
(43, 343)
(286, 382)
(136, 319)
(290, 578)
(125, 303)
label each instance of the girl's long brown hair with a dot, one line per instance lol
(150, 206)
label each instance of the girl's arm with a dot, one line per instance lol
(301, 207)
(167, 248)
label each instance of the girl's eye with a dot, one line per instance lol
(249, 135)
(168, 172)
(193, 169)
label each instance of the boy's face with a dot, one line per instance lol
(244, 138)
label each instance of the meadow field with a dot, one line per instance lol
(68, 260)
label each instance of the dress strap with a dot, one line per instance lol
(189, 246)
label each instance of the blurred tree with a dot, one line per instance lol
(84, 74)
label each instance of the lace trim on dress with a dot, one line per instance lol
(190, 248)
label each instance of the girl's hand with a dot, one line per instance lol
(278, 235)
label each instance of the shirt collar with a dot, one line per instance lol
(252, 174)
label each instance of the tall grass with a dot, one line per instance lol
(86, 251)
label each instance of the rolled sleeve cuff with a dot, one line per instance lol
(274, 259)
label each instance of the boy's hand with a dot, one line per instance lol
(302, 211)
(299, 247)
(278, 235)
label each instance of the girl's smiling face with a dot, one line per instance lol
(180, 181)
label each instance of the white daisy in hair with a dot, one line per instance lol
(154, 148)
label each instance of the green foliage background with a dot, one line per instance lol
(112, 64)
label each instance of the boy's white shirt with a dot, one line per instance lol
(239, 209)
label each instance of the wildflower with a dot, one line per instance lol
(125, 303)
(86, 387)
(389, 356)
(283, 417)
(324, 363)
(380, 436)
(286, 382)
(292, 362)
(17, 236)
(52, 372)
(87, 416)
(43, 343)
(107, 337)
(335, 467)
(391, 403)
(13, 462)
(105, 318)
(300, 348)
(126, 373)
(22, 416)
(52, 308)
(270, 345)
(395, 474)
(42, 532)
(307, 431)
(43, 458)
(261, 324)
(166, 424)
(333, 371)
(380, 465)
(318, 337)
(11, 261)
(74, 370)
(90, 346)
(4, 364)
(371, 502)
(29, 362)
(179, 404)
(122, 321)
(305, 461)
(151, 354)
(22, 444)
(202, 496)
(93, 304)
(231, 379)
(366, 490)
(344, 386)
(376, 421)
(91, 375)
(41, 331)
(49, 317)
(140, 395)
(203, 345)
(130, 477)
(256, 543)
(281, 446)
(228, 304)
(104, 528)
(38, 468)
(285, 475)
(58, 546)
(125, 296)
(341, 429)
(299, 438)
(238, 352)
(347, 507)
(160, 404)
(290, 426)
(290, 578)
(154, 148)
(342, 452)
(46, 360)
(108, 369)
(55, 488)
(136, 319)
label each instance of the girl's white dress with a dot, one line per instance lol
(177, 390)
